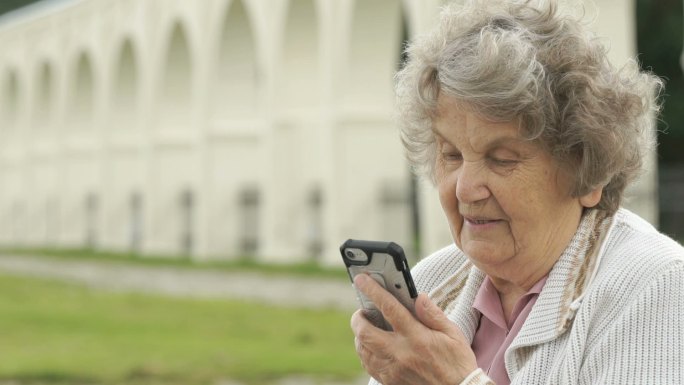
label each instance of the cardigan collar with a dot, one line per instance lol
(556, 305)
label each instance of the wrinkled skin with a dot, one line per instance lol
(510, 210)
(426, 349)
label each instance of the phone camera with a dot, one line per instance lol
(358, 256)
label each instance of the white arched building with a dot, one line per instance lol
(218, 128)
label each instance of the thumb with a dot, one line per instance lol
(431, 315)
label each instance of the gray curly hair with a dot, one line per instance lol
(526, 62)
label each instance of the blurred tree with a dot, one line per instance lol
(9, 5)
(659, 41)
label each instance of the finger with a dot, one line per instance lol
(365, 354)
(370, 361)
(362, 352)
(430, 315)
(394, 312)
(357, 321)
(366, 334)
(363, 328)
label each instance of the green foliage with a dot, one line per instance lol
(10, 5)
(659, 40)
(55, 333)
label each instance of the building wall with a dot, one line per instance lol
(216, 129)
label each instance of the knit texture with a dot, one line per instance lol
(617, 319)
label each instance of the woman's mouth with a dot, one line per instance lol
(481, 223)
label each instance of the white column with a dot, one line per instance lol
(149, 71)
(335, 15)
(269, 249)
(202, 187)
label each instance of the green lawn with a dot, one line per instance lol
(55, 333)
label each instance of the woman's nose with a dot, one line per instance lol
(471, 184)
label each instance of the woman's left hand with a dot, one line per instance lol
(427, 350)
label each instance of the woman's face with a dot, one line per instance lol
(506, 199)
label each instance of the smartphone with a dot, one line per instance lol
(386, 263)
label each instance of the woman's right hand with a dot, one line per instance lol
(427, 350)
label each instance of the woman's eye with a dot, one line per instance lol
(451, 156)
(503, 162)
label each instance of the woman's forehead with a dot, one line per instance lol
(452, 122)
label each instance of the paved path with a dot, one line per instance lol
(272, 289)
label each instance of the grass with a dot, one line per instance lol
(240, 264)
(57, 333)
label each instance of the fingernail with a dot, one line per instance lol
(426, 302)
(360, 279)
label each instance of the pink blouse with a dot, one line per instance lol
(494, 335)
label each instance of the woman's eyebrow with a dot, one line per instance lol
(434, 131)
(503, 140)
(440, 136)
(497, 142)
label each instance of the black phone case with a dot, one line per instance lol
(386, 263)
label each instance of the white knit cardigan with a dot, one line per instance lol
(611, 311)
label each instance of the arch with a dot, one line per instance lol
(83, 93)
(10, 100)
(377, 33)
(44, 98)
(236, 87)
(125, 88)
(176, 86)
(299, 80)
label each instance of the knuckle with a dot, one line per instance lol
(354, 320)
(363, 335)
(389, 309)
(368, 360)
(365, 355)
(390, 376)
(361, 351)
(411, 362)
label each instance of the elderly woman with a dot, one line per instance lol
(531, 137)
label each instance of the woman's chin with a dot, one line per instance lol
(485, 255)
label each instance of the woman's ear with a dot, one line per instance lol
(592, 198)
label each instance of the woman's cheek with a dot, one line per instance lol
(447, 195)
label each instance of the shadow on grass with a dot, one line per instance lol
(47, 378)
(138, 376)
